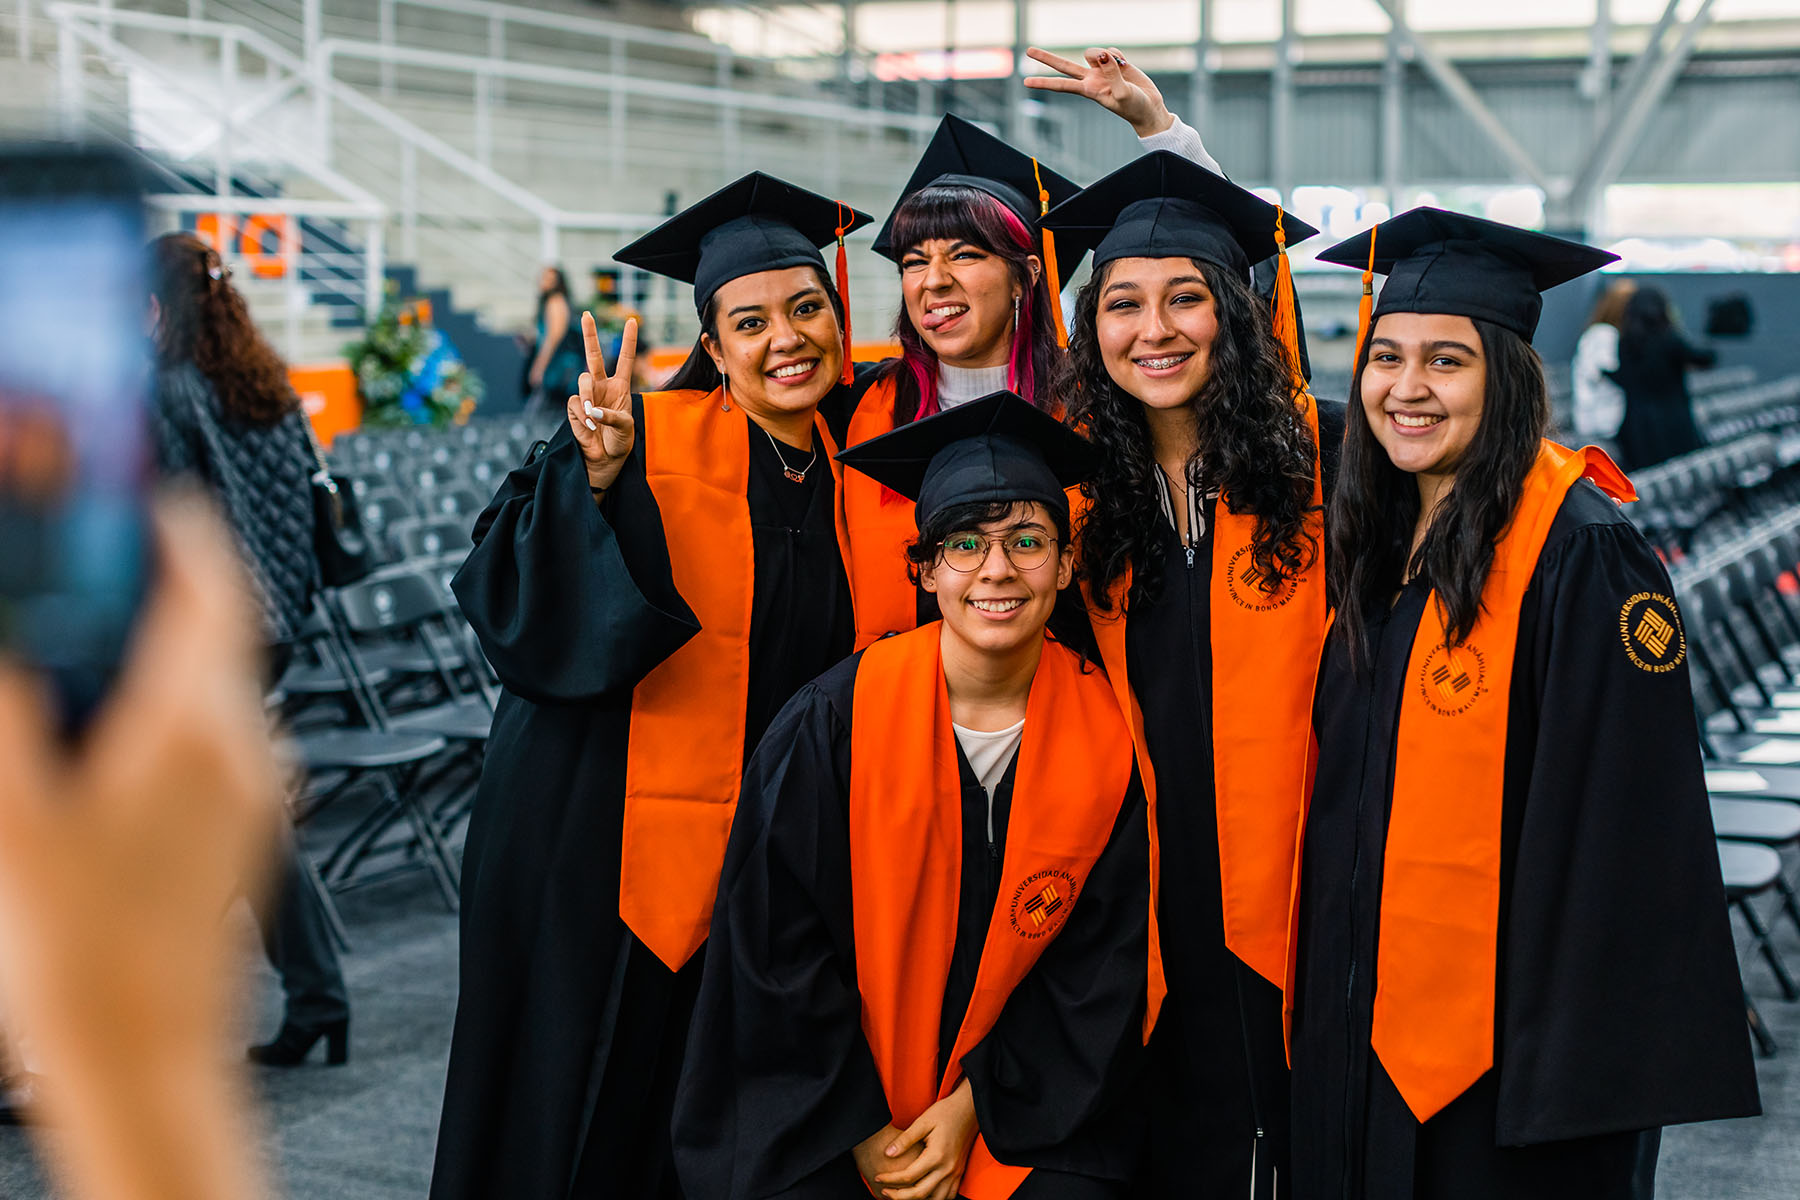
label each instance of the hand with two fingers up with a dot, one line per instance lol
(1109, 81)
(600, 416)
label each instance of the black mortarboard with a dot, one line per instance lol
(1445, 262)
(996, 448)
(965, 154)
(759, 223)
(1162, 205)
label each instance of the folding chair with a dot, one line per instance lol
(339, 759)
(408, 606)
(1749, 871)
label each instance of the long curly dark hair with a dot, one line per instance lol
(1375, 505)
(206, 322)
(957, 212)
(1254, 445)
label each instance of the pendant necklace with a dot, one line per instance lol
(788, 472)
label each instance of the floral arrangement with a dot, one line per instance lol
(408, 373)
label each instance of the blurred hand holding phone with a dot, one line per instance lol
(74, 380)
(120, 848)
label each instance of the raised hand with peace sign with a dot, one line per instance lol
(1109, 81)
(600, 415)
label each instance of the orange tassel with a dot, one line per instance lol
(1365, 308)
(1287, 321)
(843, 287)
(1050, 270)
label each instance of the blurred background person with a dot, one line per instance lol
(224, 414)
(1600, 402)
(556, 359)
(1654, 359)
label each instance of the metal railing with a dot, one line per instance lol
(460, 216)
(98, 27)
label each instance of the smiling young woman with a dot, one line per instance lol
(1512, 964)
(650, 590)
(926, 976)
(1201, 560)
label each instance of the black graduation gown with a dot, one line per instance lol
(1619, 1008)
(569, 1031)
(780, 1084)
(1217, 1067)
(1659, 414)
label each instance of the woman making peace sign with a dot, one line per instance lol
(650, 591)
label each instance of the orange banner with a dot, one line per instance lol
(328, 393)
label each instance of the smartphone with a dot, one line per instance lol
(75, 458)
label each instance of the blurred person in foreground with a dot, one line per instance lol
(224, 414)
(1600, 402)
(1654, 359)
(116, 857)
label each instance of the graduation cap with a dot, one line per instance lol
(966, 155)
(1162, 205)
(996, 448)
(1165, 206)
(1446, 262)
(760, 223)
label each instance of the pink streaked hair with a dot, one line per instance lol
(962, 213)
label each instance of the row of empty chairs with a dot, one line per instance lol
(388, 701)
(1740, 608)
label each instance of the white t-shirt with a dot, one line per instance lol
(1599, 402)
(990, 754)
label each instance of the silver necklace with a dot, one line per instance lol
(788, 472)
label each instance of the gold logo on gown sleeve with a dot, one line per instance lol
(1650, 628)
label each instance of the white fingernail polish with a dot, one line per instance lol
(591, 426)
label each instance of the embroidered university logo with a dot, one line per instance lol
(1245, 581)
(1041, 903)
(1450, 681)
(1650, 627)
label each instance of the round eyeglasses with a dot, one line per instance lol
(967, 551)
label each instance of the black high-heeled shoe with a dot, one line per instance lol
(294, 1042)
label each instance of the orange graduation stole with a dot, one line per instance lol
(876, 528)
(685, 758)
(1440, 885)
(905, 793)
(1265, 658)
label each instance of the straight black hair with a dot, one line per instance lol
(1375, 505)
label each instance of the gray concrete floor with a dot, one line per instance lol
(366, 1131)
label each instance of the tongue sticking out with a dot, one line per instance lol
(937, 319)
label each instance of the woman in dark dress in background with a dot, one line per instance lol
(1512, 958)
(556, 360)
(650, 590)
(225, 414)
(1200, 549)
(1653, 364)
